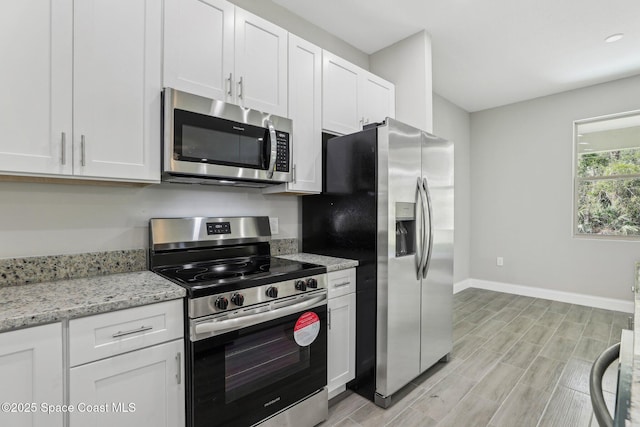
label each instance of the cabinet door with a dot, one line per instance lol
(35, 106)
(144, 388)
(117, 84)
(378, 99)
(341, 341)
(31, 372)
(305, 106)
(261, 64)
(340, 95)
(198, 47)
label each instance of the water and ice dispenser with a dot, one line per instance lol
(405, 229)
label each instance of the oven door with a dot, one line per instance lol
(243, 376)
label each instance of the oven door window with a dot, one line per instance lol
(244, 376)
(206, 139)
(257, 361)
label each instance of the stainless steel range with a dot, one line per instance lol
(256, 325)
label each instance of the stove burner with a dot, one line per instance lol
(219, 269)
(214, 276)
(190, 271)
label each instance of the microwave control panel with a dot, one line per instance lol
(283, 152)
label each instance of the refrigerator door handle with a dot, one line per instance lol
(421, 253)
(425, 268)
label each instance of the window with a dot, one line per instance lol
(607, 176)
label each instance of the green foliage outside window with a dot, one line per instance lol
(609, 204)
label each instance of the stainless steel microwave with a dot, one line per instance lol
(206, 141)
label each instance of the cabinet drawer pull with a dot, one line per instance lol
(339, 285)
(133, 331)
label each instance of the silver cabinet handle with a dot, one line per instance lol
(179, 374)
(294, 174)
(240, 89)
(339, 285)
(83, 160)
(63, 151)
(329, 318)
(133, 331)
(425, 269)
(230, 86)
(274, 149)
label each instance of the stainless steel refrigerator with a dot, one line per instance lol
(387, 201)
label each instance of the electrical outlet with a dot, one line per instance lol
(499, 261)
(273, 224)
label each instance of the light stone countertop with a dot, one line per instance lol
(332, 263)
(39, 303)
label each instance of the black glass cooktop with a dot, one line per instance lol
(210, 277)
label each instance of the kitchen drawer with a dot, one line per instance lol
(341, 282)
(105, 335)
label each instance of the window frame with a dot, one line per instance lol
(576, 180)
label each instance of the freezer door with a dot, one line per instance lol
(437, 285)
(398, 285)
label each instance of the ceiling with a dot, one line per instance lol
(495, 52)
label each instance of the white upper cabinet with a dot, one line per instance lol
(353, 97)
(378, 100)
(35, 107)
(261, 64)
(198, 47)
(117, 86)
(305, 110)
(83, 88)
(340, 95)
(219, 51)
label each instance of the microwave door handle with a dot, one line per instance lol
(273, 149)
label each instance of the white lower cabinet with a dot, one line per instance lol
(341, 337)
(31, 373)
(127, 368)
(141, 388)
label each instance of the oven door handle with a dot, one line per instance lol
(215, 327)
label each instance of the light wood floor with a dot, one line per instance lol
(516, 361)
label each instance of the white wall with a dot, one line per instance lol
(407, 64)
(521, 195)
(51, 219)
(293, 23)
(454, 124)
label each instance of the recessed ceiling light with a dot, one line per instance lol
(614, 38)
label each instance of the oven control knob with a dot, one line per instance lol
(312, 283)
(222, 303)
(300, 285)
(237, 299)
(272, 292)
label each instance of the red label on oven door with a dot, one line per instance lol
(306, 329)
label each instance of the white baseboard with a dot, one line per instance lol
(462, 285)
(562, 296)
